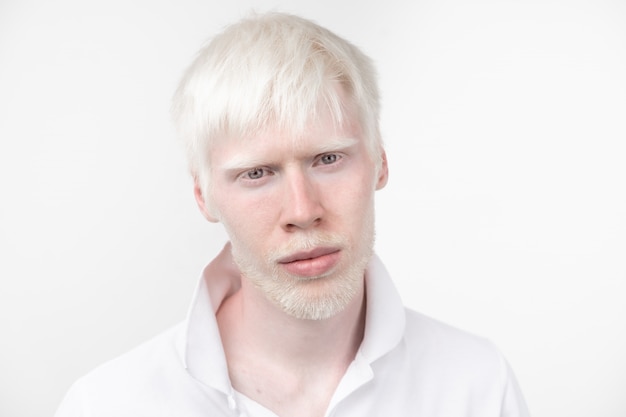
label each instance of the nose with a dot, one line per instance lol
(302, 207)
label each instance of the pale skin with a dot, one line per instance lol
(269, 192)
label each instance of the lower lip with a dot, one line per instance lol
(312, 267)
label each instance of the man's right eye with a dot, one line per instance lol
(255, 174)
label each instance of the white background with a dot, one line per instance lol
(505, 214)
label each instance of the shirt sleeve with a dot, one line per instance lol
(513, 402)
(72, 404)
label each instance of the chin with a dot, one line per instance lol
(318, 299)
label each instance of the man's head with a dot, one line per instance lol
(271, 71)
(280, 118)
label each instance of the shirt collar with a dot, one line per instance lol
(201, 348)
(203, 354)
(385, 317)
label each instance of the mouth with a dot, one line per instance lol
(313, 263)
(307, 255)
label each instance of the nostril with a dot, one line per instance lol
(303, 224)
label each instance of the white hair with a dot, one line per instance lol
(271, 71)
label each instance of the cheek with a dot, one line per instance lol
(358, 193)
(352, 205)
(247, 220)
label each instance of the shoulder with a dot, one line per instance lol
(437, 369)
(152, 356)
(438, 345)
(114, 386)
(431, 330)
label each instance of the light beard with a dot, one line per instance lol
(309, 298)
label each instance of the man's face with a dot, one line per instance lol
(300, 213)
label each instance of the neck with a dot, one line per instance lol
(264, 345)
(252, 327)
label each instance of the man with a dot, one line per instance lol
(296, 316)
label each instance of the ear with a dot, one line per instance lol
(383, 171)
(202, 205)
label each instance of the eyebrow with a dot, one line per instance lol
(245, 161)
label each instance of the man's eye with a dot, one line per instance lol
(255, 174)
(330, 158)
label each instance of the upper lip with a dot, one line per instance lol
(313, 253)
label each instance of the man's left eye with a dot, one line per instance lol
(330, 158)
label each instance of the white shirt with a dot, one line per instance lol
(407, 365)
